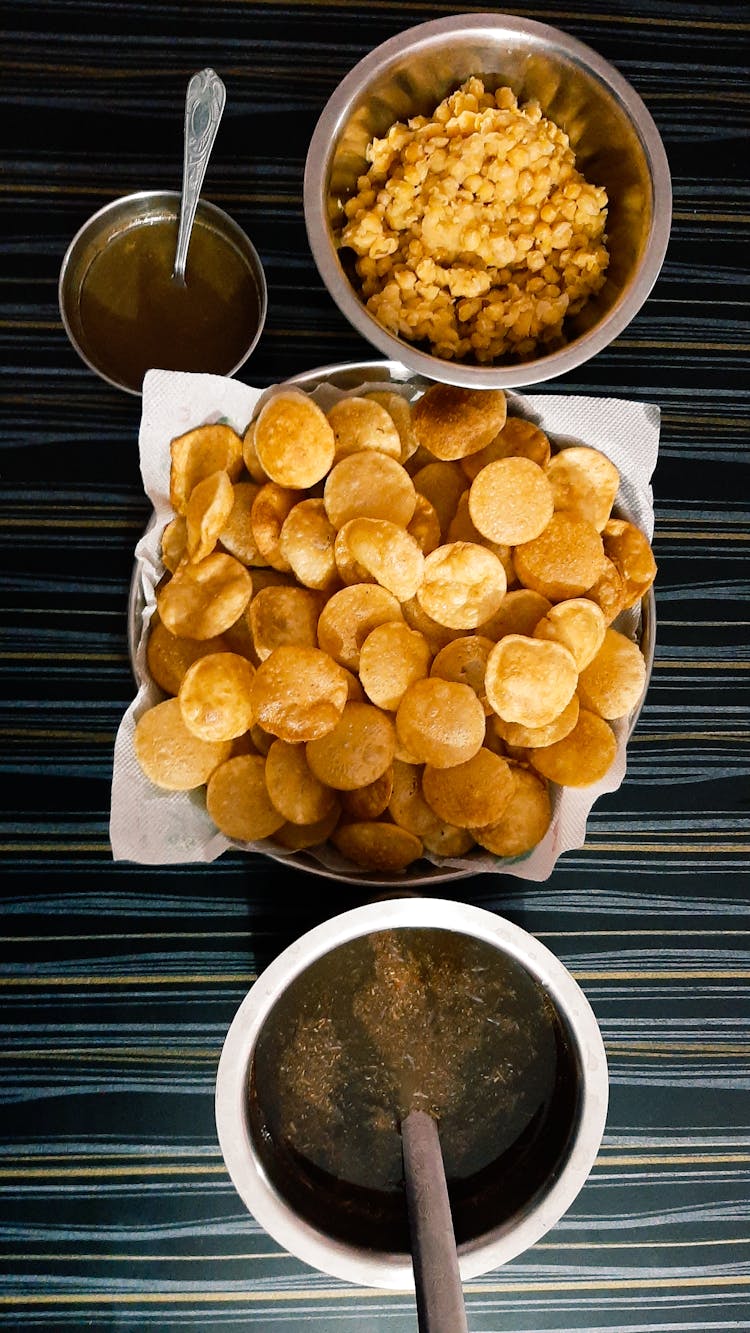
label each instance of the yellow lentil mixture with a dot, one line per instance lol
(474, 231)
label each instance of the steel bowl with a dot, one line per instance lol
(498, 1244)
(615, 140)
(140, 210)
(423, 874)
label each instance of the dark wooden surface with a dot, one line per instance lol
(118, 981)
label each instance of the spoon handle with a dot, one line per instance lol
(204, 105)
(440, 1300)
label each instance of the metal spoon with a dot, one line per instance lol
(204, 105)
(440, 1301)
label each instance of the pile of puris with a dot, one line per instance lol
(389, 625)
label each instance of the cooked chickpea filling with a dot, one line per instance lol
(474, 231)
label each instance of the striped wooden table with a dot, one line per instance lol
(118, 982)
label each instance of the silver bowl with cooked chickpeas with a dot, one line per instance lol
(487, 200)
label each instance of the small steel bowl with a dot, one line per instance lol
(495, 1246)
(121, 215)
(615, 140)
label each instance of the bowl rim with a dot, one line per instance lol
(150, 202)
(540, 369)
(482, 1254)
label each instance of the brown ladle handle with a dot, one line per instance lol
(440, 1299)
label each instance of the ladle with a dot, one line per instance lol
(204, 105)
(440, 1301)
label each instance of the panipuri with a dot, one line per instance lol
(442, 484)
(357, 749)
(392, 657)
(236, 536)
(171, 756)
(399, 409)
(452, 422)
(525, 819)
(577, 623)
(448, 840)
(612, 684)
(293, 787)
(519, 613)
(271, 506)
(206, 512)
(409, 809)
(563, 561)
(362, 423)
(297, 837)
(215, 697)
(580, 758)
(370, 801)
(461, 529)
(306, 544)
(510, 501)
(609, 592)
(377, 845)
(262, 740)
(174, 543)
(529, 680)
(250, 456)
(198, 453)
(238, 802)
(299, 693)
(436, 635)
(517, 736)
(168, 656)
(440, 722)
(584, 483)
(375, 550)
(517, 439)
(465, 661)
(424, 526)
(283, 615)
(349, 616)
(369, 484)
(294, 441)
(202, 600)
(463, 585)
(239, 639)
(630, 550)
(471, 794)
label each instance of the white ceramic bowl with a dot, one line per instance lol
(612, 133)
(496, 1246)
